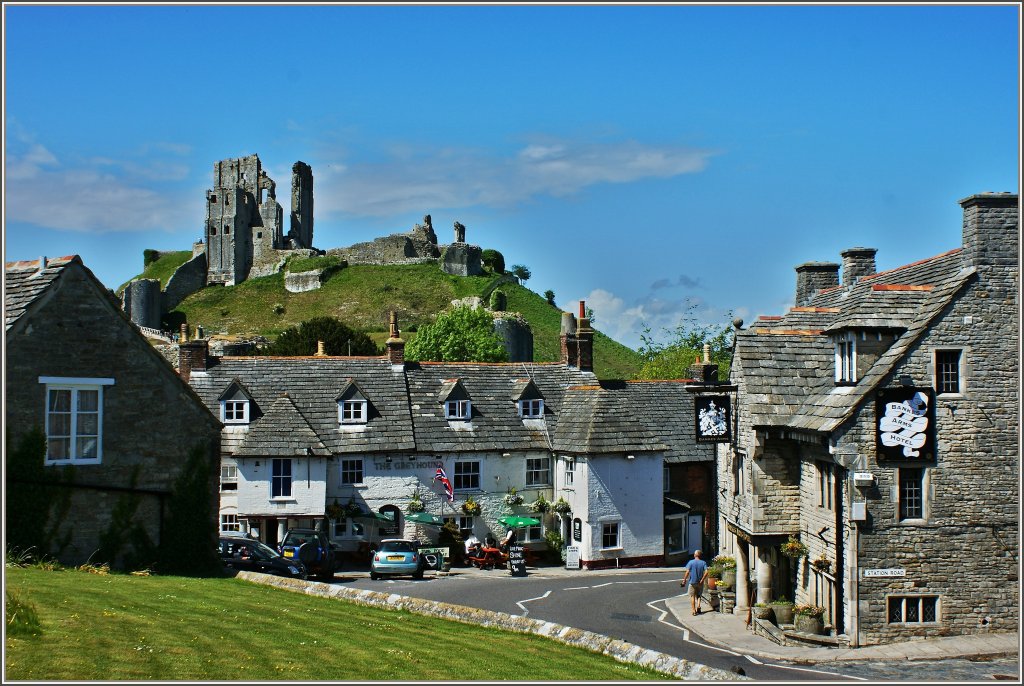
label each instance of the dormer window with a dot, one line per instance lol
(458, 409)
(353, 407)
(531, 409)
(455, 400)
(846, 358)
(235, 411)
(235, 404)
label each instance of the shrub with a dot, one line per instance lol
(493, 260)
(555, 543)
(149, 256)
(549, 295)
(714, 572)
(498, 301)
(451, 537)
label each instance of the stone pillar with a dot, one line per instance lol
(764, 574)
(742, 577)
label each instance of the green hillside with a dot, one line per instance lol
(362, 295)
(162, 269)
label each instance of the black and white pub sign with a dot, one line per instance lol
(905, 428)
(712, 418)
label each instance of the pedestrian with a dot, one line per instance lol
(694, 575)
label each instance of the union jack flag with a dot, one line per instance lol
(443, 478)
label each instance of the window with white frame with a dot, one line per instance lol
(234, 411)
(531, 409)
(913, 609)
(229, 522)
(947, 371)
(465, 526)
(74, 419)
(352, 472)
(911, 493)
(281, 478)
(538, 471)
(458, 409)
(467, 476)
(846, 358)
(826, 484)
(533, 534)
(228, 477)
(352, 412)
(570, 470)
(610, 535)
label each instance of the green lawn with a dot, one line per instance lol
(119, 627)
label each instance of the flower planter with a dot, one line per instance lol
(810, 625)
(762, 612)
(729, 577)
(783, 612)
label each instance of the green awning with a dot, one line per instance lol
(425, 518)
(516, 522)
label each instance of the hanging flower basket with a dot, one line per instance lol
(512, 498)
(793, 548)
(471, 507)
(822, 564)
(353, 509)
(540, 505)
(415, 504)
(562, 506)
(335, 511)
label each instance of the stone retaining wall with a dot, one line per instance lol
(622, 651)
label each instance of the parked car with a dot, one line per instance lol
(397, 556)
(248, 554)
(312, 548)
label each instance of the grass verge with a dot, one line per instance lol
(118, 627)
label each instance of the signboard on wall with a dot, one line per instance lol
(711, 418)
(572, 557)
(517, 560)
(905, 423)
(577, 529)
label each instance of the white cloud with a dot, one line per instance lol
(411, 179)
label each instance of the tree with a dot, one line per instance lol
(493, 260)
(338, 338)
(549, 295)
(462, 334)
(521, 272)
(672, 360)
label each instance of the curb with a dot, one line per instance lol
(622, 651)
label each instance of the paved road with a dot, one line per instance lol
(628, 607)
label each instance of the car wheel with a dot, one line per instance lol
(374, 576)
(418, 575)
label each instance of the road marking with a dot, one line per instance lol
(540, 597)
(576, 588)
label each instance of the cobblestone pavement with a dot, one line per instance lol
(929, 670)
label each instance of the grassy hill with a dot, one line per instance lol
(362, 295)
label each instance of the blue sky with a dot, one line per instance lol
(644, 158)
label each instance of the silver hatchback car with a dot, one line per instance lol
(397, 556)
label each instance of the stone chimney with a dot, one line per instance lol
(395, 345)
(584, 341)
(857, 262)
(991, 225)
(567, 339)
(811, 277)
(192, 355)
(320, 349)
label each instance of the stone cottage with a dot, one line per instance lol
(116, 424)
(878, 426)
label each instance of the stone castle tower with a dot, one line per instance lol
(243, 227)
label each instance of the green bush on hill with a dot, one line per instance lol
(338, 339)
(462, 334)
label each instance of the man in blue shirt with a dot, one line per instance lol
(694, 575)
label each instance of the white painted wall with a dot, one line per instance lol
(309, 487)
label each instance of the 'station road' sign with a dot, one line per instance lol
(868, 573)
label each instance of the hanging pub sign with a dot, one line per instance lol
(577, 529)
(711, 418)
(905, 428)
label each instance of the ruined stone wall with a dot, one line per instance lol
(141, 302)
(393, 249)
(462, 259)
(186, 280)
(301, 229)
(518, 338)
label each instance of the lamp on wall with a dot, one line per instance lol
(630, 457)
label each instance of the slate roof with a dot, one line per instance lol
(282, 430)
(632, 416)
(785, 365)
(24, 282)
(495, 423)
(312, 385)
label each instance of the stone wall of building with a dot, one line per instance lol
(462, 259)
(141, 302)
(518, 338)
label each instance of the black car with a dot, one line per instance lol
(248, 554)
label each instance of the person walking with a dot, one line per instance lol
(694, 575)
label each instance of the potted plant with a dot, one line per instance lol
(793, 548)
(562, 506)
(714, 574)
(540, 505)
(352, 508)
(810, 619)
(471, 507)
(762, 611)
(822, 564)
(727, 564)
(512, 498)
(783, 609)
(415, 504)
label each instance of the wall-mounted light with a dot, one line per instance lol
(630, 457)
(506, 454)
